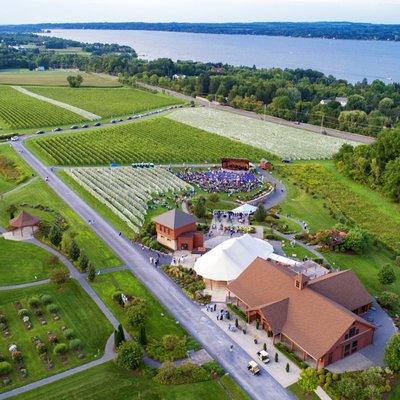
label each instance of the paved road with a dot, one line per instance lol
(23, 285)
(189, 315)
(269, 118)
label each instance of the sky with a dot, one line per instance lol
(35, 11)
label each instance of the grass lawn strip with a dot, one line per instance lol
(13, 169)
(22, 262)
(159, 140)
(107, 381)
(37, 193)
(108, 102)
(76, 311)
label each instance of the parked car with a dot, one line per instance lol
(113, 121)
(129, 118)
(74, 127)
(39, 132)
(286, 160)
(97, 124)
(15, 138)
(57, 129)
(263, 356)
(253, 367)
(85, 126)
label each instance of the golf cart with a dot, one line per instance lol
(253, 367)
(263, 356)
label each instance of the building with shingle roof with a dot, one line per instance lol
(318, 319)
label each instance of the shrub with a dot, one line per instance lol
(388, 299)
(46, 299)
(142, 336)
(117, 297)
(16, 355)
(136, 312)
(129, 355)
(92, 273)
(5, 367)
(83, 261)
(168, 374)
(55, 235)
(34, 301)
(213, 198)
(69, 334)
(260, 214)
(60, 348)
(386, 275)
(158, 351)
(59, 276)
(308, 380)
(23, 312)
(75, 344)
(335, 377)
(213, 367)
(392, 353)
(52, 308)
(170, 342)
(3, 318)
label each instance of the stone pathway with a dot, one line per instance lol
(83, 113)
(24, 285)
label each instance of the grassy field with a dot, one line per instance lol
(344, 198)
(108, 102)
(158, 140)
(20, 111)
(54, 78)
(107, 381)
(76, 310)
(37, 195)
(22, 262)
(13, 170)
(284, 141)
(157, 325)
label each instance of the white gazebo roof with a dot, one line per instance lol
(229, 259)
(245, 209)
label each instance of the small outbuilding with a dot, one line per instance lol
(235, 164)
(177, 231)
(22, 221)
(266, 165)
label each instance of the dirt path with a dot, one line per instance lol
(83, 113)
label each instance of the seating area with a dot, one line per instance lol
(218, 180)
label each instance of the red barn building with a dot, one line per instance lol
(236, 164)
(317, 319)
(266, 165)
(177, 231)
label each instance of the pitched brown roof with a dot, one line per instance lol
(23, 220)
(313, 322)
(175, 219)
(342, 287)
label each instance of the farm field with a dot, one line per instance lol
(108, 102)
(280, 140)
(54, 78)
(75, 310)
(13, 170)
(107, 381)
(159, 140)
(126, 190)
(20, 111)
(38, 199)
(157, 325)
(22, 262)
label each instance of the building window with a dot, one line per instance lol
(354, 346)
(297, 284)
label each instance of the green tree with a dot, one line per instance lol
(353, 121)
(356, 240)
(73, 250)
(260, 214)
(129, 355)
(142, 335)
(388, 299)
(392, 353)
(55, 235)
(5, 368)
(83, 261)
(59, 276)
(121, 332)
(75, 81)
(200, 208)
(136, 313)
(392, 179)
(92, 273)
(308, 380)
(386, 275)
(213, 197)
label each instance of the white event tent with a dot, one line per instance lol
(228, 260)
(245, 209)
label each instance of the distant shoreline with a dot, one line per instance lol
(322, 30)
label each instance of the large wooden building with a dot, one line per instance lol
(319, 319)
(235, 164)
(177, 231)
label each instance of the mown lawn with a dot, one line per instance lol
(37, 195)
(76, 310)
(22, 262)
(159, 140)
(300, 394)
(159, 321)
(107, 381)
(13, 169)
(108, 102)
(53, 78)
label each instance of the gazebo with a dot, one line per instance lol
(23, 220)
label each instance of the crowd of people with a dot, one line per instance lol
(218, 180)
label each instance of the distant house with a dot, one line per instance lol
(177, 231)
(318, 319)
(342, 100)
(178, 76)
(40, 68)
(218, 70)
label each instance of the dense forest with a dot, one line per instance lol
(301, 95)
(331, 30)
(376, 165)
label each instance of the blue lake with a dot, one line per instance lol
(352, 60)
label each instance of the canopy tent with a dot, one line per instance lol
(245, 209)
(284, 260)
(230, 258)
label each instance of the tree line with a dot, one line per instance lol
(293, 94)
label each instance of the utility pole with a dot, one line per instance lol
(322, 123)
